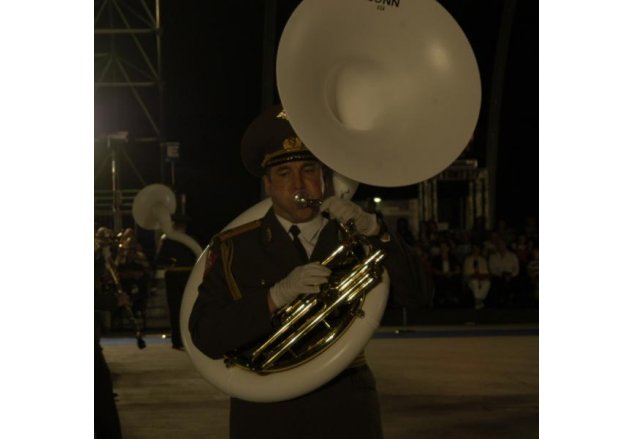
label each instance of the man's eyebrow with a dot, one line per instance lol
(282, 168)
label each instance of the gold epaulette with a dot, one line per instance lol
(227, 234)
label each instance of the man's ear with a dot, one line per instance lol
(327, 186)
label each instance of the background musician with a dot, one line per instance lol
(178, 261)
(106, 299)
(133, 268)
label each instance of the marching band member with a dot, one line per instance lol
(133, 269)
(258, 267)
(107, 424)
(178, 261)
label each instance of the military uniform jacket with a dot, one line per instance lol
(232, 309)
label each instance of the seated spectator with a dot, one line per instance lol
(505, 232)
(463, 245)
(479, 234)
(402, 228)
(522, 249)
(434, 245)
(476, 275)
(488, 245)
(531, 228)
(504, 268)
(447, 279)
(427, 277)
(532, 269)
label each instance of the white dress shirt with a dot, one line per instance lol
(309, 231)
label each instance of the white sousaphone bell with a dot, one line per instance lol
(152, 209)
(384, 95)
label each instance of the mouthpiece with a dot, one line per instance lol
(302, 201)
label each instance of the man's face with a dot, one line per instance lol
(284, 181)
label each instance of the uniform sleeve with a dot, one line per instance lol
(220, 322)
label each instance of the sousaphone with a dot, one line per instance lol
(383, 92)
(386, 93)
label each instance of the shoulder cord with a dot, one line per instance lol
(226, 253)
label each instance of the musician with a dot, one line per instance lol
(178, 261)
(105, 248)
(133, 269)
(256, 268)
(106, 417)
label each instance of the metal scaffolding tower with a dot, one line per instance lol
(129, 133)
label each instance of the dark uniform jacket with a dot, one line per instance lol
(178, 260)
(232, 310)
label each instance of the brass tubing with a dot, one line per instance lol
(309, 324)
(361, 267)
(290, 309)
(296, 315)
(306, 326)
(352, 277)
(333, 255)
(301, 316)
(293, 319)
(365, 267)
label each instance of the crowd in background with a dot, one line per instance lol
(478, 268)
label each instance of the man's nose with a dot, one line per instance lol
(298, 180)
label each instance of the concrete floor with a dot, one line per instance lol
(433, 383)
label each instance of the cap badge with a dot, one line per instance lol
(292, 144)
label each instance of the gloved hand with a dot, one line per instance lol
(304, 279)
(344, 210)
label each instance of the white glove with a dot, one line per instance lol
(344, 210)
(304, 279)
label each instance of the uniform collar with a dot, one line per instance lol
(309, 230)
(278, 241)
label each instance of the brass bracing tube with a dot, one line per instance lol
(333, 255)
(298, 314)
(310, 324)
(357, 281)
(298, 309)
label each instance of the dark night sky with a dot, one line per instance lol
(212, 67)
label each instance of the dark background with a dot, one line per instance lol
(213, 69)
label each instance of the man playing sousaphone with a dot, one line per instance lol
(256, 268)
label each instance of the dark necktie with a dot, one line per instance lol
(301, 251)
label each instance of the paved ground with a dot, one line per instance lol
(433, 383)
